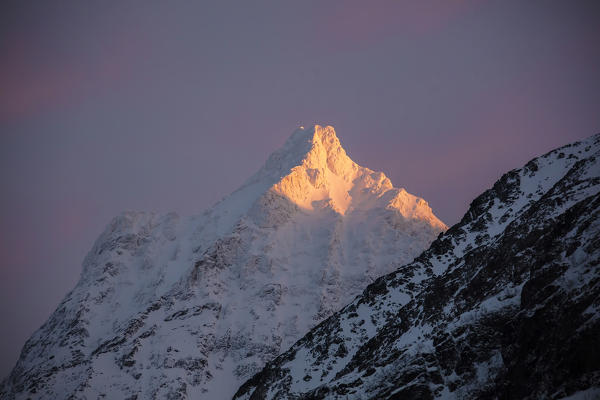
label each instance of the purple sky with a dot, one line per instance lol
(166, 106)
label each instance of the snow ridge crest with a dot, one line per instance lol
(313, 171)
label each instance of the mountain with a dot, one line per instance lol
(171, 307)
(503, 305)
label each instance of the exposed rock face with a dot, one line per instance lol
(171, 307)
(504, 305)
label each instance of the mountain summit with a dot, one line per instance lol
(171, 307)
(313, 172)
(322, 175)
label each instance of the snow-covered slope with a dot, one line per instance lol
(504, 305)
(171, 307)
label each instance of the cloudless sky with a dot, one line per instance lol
(108, 106)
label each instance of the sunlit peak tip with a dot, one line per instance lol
(314, 131)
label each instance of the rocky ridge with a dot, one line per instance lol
(503, 305)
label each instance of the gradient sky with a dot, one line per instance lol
(110, 106)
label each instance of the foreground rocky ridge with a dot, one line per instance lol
(505, 304)
(171, 307)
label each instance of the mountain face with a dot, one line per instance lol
(170, 307)
(503, 305)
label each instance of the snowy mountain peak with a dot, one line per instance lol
(312, 147)
(171, 307)
(321, 174)
(310, 150)
(313, 171)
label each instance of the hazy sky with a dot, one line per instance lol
(110, 106)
